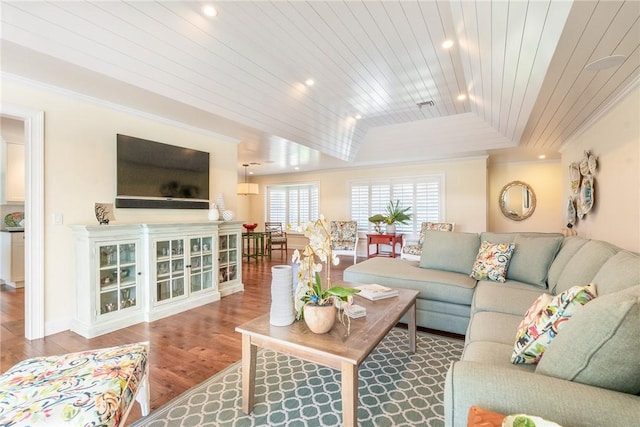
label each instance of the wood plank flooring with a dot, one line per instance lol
(186, 348)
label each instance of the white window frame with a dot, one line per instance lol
(295, 214)
(375, 194)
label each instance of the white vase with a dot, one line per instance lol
(391, 229)
(227, 215)
(220, 202)
(214, 214)
(282, 311)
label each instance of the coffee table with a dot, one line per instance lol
(333, 349)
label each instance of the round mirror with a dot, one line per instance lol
(517, 200)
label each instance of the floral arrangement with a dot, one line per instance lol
(310, 289)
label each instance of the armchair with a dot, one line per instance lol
(412, 249)
(344, 238)
(277, 237)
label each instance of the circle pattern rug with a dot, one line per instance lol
(395, 388)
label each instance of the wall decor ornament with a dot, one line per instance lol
(104, 213)
(581, 188)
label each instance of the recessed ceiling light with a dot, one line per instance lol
(309, 82)
(462, 97)
(542, 157)
(447, 44)
(605, 63)
(296, 168)
(358, 116)
(210, 10)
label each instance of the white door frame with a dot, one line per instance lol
(34, 217)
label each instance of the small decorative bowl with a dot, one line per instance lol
(250, 227)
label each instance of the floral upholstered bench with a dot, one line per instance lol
(88, 388)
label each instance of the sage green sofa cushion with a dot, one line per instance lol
(533, 254)
(450, 251)
(619, 272)
(599, 345)
(531, 259)
(583, 266)
(569, 247)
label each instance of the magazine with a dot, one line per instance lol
(354, 311)
(375, 292)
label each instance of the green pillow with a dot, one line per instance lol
(449, 251)
(532, 258)
(599, 345)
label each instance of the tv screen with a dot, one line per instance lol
(157, 175)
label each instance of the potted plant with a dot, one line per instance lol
(393, 214)
(314, 301)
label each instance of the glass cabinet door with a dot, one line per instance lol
(201, 263)
(170, 269)
(117, 276)
(228, 256)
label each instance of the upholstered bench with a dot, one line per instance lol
(95, 387)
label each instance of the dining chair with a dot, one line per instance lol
(277, 237)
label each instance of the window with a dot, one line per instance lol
(292, 205)
(423, 194)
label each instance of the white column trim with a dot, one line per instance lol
(34, 214)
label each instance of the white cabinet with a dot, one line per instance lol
(126, 274)
(183, 266)
(229, 259)
(12, 171)
(170, 270)
(12, 258)
(109, 279)
(118, 275)
(201, 263)
(182, 263)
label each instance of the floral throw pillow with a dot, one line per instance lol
(492, 261)
(542, 323)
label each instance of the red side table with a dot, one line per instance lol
(384, 239)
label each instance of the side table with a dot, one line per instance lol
(384, 239)
(256, 245)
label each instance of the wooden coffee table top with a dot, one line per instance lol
(366, 332)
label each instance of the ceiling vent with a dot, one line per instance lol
(426, 104)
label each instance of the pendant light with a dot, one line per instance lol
(247, 188)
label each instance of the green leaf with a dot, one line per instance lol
(317, 286)
(342, 292)
(522, 421)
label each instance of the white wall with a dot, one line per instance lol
(79, 158)
(465, 189)
(544, 178)
(615, 141)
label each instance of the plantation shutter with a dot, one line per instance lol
(422, 194)
(292, 205)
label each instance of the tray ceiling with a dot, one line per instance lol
(520, 66)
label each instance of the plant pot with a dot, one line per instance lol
(319, 318)
(391, 229)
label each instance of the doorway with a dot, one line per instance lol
(34, 213)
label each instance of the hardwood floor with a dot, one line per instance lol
(186, 348)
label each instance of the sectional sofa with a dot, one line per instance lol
(589, 374)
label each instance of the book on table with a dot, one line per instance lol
(355, 311)
(375, 292)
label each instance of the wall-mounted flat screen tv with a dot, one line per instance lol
(155, 175)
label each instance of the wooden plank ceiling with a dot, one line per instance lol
(519, 64)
